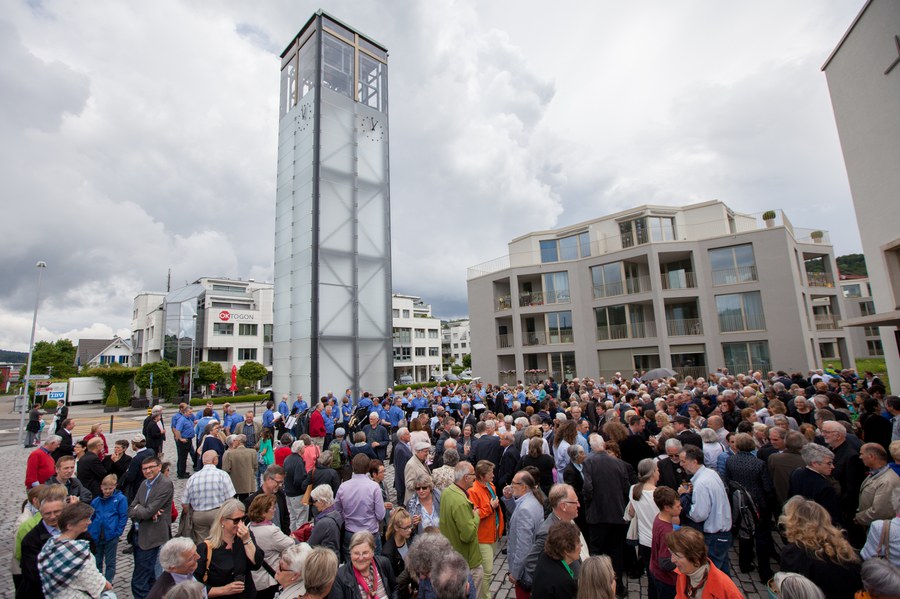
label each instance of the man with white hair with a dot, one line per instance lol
(401, 455)
(240, 462)
(813, 482)
(178, 558)
(376, 436)
(849, 470)
(295, 483)
(488, 446)
(414, 468)
(205, 493)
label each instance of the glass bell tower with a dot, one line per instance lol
(332, 319)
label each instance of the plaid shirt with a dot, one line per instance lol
(208, 489)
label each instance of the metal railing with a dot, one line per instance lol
(556, 337)
(732, 324)
(684, 327)
(826, 322)
(629, 286)
(677, 282)
(820, 279)
(534, 338)
(557, 297)
(504, 341)
(732, 276)
(634, 330)
(691, 371)
(531, 298)
(504, 302)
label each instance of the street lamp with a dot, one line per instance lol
(191, 376)
(37, 300)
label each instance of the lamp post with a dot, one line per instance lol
(191, 375)
(37, 300)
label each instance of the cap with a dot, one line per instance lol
(138, 438)
(422, 445)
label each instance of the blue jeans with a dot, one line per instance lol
(106, 551)
(145, 564)
(718, 544)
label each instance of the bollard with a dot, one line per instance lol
(111, 424)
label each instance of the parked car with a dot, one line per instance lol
(451, 377)
(406, 380)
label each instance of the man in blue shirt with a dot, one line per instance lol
(346, 409)
(215, 414)
(419, 402)
(183, 429)
(396, 414)
(365, 401)
(328, 418)
(232, 418)
(283, 407)
(705, 502)
(300, 404)
(268, 417)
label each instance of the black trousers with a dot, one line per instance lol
(609, 539)
(184, 451)
(762, 543)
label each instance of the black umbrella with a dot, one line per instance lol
(658, 373)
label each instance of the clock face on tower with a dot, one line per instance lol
(371, 128)
(304, 119)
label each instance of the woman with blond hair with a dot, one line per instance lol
(229, 554)
(818, 550)
(270, 540)
(597, 580)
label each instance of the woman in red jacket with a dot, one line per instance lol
(483, 496)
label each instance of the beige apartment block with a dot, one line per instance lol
(696, 289)
(863, 75)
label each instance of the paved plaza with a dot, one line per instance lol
(12, 477)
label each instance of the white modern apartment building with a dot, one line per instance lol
(224, 320)
(456, 341)
(416, 339)
(858, 303)
(692, 288)
(863, 76)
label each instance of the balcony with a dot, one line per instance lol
(684, 327)
(820, 279)
(733, 276)
(679, 280)
(635, 330)
(695, 372)
(557, 297)
(626, 287)
(504, 341)
(826, 322)
(504, 302)
(531, 338)
(737, 323)
(557, 337)
(531, 298)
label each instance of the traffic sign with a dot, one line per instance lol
(39, 377)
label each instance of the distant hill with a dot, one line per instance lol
(16, 357)
(852, 264)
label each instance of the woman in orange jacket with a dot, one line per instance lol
(697, 578)
(483, 496)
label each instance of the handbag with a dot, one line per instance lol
(186, 522)
(303, 532)
(631, 538)
(884, 545)
(309, 488)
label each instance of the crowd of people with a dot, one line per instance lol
(589, 481)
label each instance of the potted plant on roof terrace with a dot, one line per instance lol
(817, 236)
(769, 217)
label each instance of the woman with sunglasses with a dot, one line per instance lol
(425, 505)
(228, 555)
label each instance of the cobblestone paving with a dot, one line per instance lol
(12, 476)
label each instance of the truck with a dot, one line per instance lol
(85, 389)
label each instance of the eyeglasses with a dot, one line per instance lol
(422, 488)
(236, 519)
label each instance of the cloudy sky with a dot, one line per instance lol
(141, 136)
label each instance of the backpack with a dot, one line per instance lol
(337, 458)
(744, 514)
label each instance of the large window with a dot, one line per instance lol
(875, 348)
(645, 229)
(732, 265)
(740, 312)
(420, 333)
(854, 290)
(559, 326)
(247, 353)
(625, 321)
(434, 351)
(567, 248)
(248, 330)
(867, 308)
(556, 288)
(403, 336)
(562, 365)
(420, 351)
(223, 328)
(402, 354)
(608, 280)
(432, 333)
(744, 357)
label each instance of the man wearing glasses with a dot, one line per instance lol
(273, 484)
(152, 516)
(563, 503)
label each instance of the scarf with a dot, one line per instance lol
(59, 561)
(696, 581)
(363, 584)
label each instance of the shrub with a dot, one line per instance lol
(50, 404)
(769, 215)
(199, 401)
(112, 401)
(817, 234)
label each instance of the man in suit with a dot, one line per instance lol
(239, 462)
(684, 433)
(509, 460)
(401, 455)
(91, 470)
(563, 504)
(634, 447)
(151, 511)
(377, 436)
(813, 482)
(32, 543)
(273, 484)
(877, 488)
(605, 489)
(488, 446)
(66, 444)
(467, 417)
(178, 559)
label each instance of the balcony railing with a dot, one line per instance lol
(691, 371)
(826, 322)
(732, 276)
(504, 302)
(556, 337)
(531, 298)
(634, 330)
(820, 279)
(684, 327)
(557, 297)
(627, 287)
(749, 322)
(678, 280)
(534, 338)
(504, 341)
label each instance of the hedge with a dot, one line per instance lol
(50, 404)
(199, 401)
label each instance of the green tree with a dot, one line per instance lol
(163, 379)
(252, 372)
(852, 264)
(113, 400)
(60, 356)
(209, 373)
(467, 361)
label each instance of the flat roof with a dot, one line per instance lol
(322, 13)
(846, 34)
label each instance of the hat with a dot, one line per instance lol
(138, 438)
(682, 420)
(422, 445)
(339, 432)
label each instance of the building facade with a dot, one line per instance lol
(100, 352)
(332, 214)
(695, 289)
(416, 339)
(865, 341)
(456, 341)
(863, 75)
(224, 320)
